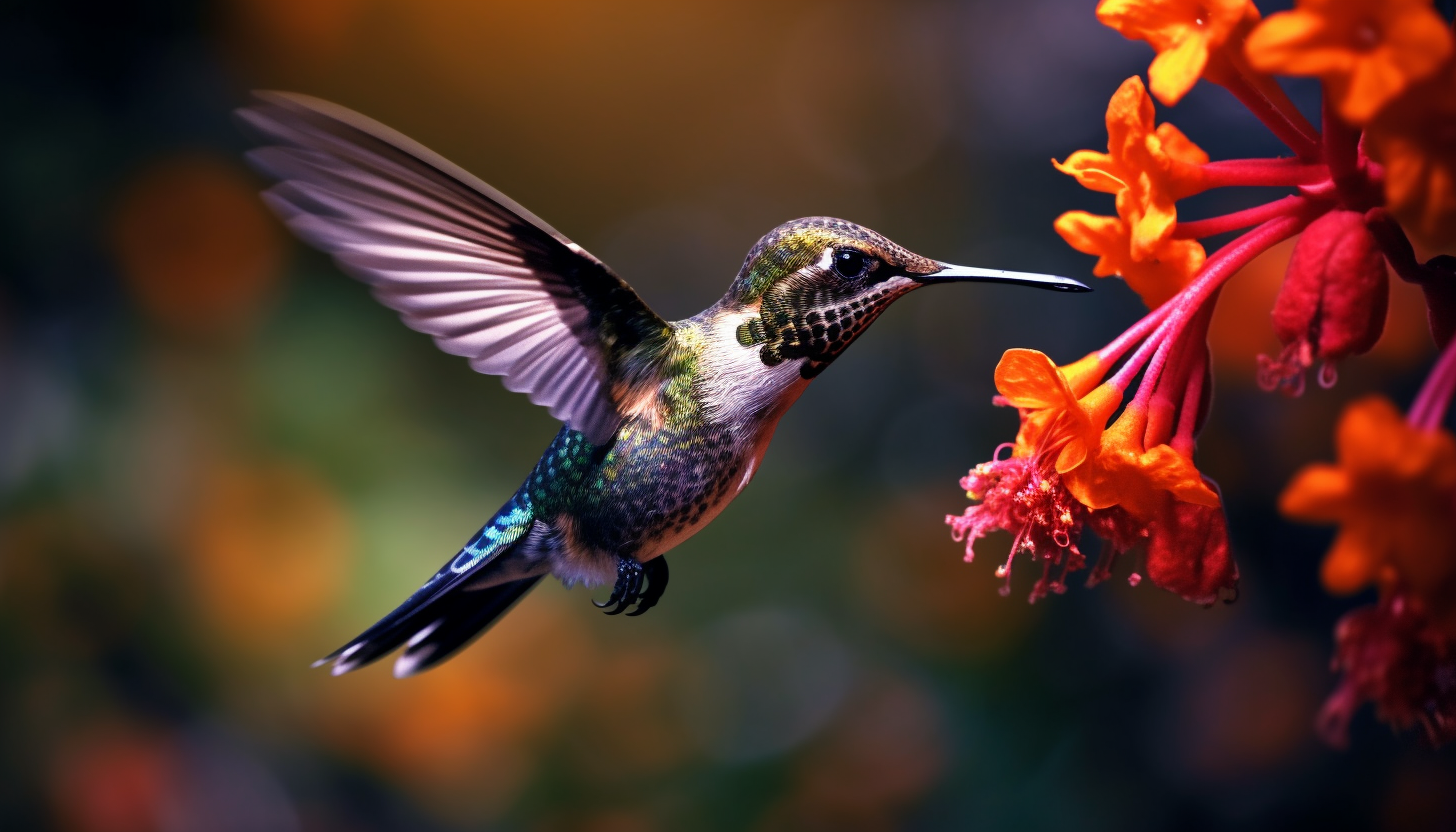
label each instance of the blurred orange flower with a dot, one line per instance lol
(1392, 492)
(267, 550)
(1415, 139)
(1148, 168)
(195, 245)
(490, 709)
(1155, 278)
(1124, 473)
(1055, 419)
(1365, 51)
(1185, 33)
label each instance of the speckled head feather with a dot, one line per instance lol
(798, 243)
(813, 285)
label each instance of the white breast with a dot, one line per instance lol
(738, 388)
(740, 391)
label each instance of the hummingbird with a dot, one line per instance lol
(665, 422)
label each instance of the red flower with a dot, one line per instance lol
(1333, 301)
(1188, 553)
(1017, 495)
(1393, 657)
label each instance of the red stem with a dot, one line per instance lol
(1348, 170)
(1223, 264)
(1133, 334)
(1198, 229)
(1429, 409)
(1164, 403)
(1396, 247)
(1278, 114)
(1183, 440)
(1279, 173)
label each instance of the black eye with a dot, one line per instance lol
(850, 264)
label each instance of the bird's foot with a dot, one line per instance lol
(629, 588)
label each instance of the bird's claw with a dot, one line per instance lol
(629, 588)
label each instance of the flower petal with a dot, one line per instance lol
(1174, 71)
(1029, 379)
(1317, 494)
(1178, 146)
(1352, 561)
(1094, 171)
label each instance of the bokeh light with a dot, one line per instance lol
(197, 249)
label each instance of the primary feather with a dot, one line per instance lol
(454, 257)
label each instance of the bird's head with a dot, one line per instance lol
(817, 284)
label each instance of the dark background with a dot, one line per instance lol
(219, 458)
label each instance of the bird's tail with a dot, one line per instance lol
(479, 585)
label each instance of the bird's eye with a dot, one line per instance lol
(850, 264)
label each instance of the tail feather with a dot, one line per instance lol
(461, 617)
(444, 614)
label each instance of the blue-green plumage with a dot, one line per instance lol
(666, 422)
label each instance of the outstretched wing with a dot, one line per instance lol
(454, 257)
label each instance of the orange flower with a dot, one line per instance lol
(1188, 35)
(1392, 492)
(1063, 409)
(1365, 51)
(1170, 266)
(1142, 480)
(1149, 169)
(1415, 138)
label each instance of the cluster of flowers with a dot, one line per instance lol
(1380, 171)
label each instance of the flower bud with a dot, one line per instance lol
(1188, 553)
(1335, 292)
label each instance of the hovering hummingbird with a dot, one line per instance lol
(665, 421)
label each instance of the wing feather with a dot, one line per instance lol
(455, 258)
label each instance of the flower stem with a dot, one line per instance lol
(1429, 409)
(1183, 440)
(1183, 306)
(1198, 229)
(1350, 169)
(1133, 334)
(1279, 173)
(1396, 247)
(1171, 390)
(1278, 113)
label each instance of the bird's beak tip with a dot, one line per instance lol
(951, 273)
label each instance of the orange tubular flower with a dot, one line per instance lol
(1148, 168)
(1141, 480)
(1365, 51)
(1172, 264)
(1415, 139)
(1392, 492)
(1188, 35)
(1063, 410)
(1068, 471)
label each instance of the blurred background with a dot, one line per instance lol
(219, 458)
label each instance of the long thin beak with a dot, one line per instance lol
(949, 273)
